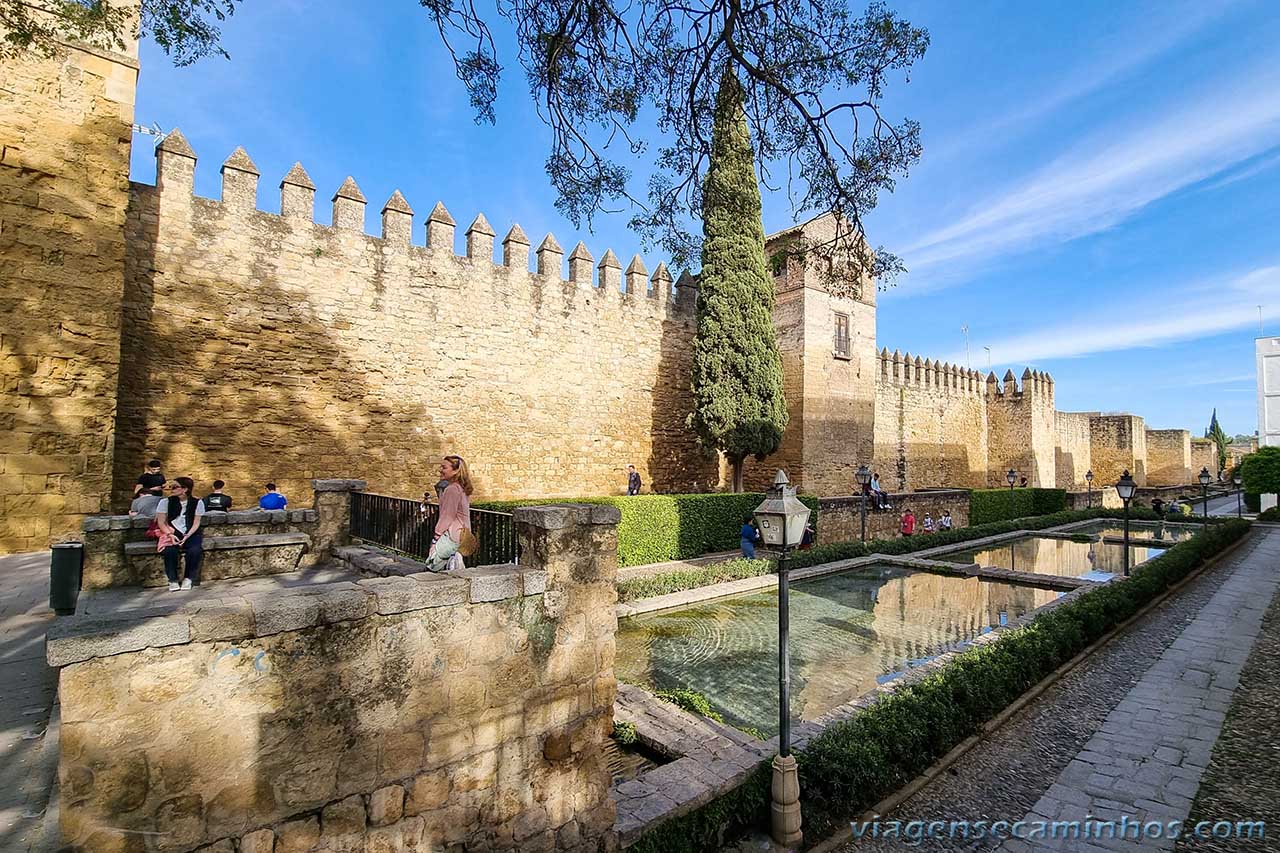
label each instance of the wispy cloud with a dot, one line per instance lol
(1123, 52)
(1198, 310)
(1247, 170)
(1110, 177)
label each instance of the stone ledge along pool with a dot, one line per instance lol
(849, 632)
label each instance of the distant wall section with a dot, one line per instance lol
(931, 424)
(1071, 456)
(1118, 443)
(1022, 431)
(1169, 457)
(1204, 454)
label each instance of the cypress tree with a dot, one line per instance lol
(739, 408)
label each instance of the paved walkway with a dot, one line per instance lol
(27, 689)
(1129, 732)
(1147, 759)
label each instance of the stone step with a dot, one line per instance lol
(226, 556)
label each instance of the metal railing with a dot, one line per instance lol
(406, 525)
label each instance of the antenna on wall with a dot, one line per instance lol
(988, 349)
(965, 331)
(153, 130)
(1260, 321)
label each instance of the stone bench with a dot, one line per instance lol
(225, 556)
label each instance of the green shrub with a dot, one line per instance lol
(691, 701)
(660, 528)
(1260, 471)
(986, 505)
(1252, 501)
(853, 764)
(648, 586)
(1271, 515)
(624, 733)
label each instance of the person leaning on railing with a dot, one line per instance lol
(455, 515)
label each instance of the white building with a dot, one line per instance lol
(1268, 360)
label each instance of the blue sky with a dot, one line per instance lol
(1099, 195)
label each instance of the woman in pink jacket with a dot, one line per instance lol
(455, 514)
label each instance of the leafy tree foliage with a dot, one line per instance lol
(1220, 439)
(1260, 471)
(187, 30)
(739, 407)
(813, 72)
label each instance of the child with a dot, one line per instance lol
(928, 523)
(944, 523)
(908, 522)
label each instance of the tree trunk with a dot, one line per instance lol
(738, 469)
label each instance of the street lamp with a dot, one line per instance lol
(782, 518)
(1204, 488)
(863, 477)
(1012, 477)
(1239, 481)
(1088, 484)
(1126, 489)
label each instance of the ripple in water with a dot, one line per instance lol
(848, 632)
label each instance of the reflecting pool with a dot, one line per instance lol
(1044, 555)
(1138, 530)
(848, 632)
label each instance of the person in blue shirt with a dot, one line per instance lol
(272, 499)
(749, 536)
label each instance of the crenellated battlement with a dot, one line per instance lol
(1036, 384)
(913, 371)
(175, 186)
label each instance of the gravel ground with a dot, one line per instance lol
(1243, 778)
(1003, 777)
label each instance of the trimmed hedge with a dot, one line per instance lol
(987, 505)
(1272, 515)
(855, 763)
(634, 589)
(660, 528)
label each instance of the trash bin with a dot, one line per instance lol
(64, 577)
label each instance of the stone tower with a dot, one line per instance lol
(65, 132)
(828, 346)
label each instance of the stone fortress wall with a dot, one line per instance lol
(251, 346)
(269, 347)
(931, 427)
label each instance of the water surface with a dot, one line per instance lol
(1044, 555)
(848, 632)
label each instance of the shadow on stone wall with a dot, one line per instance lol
(61, 249)
(215, 424)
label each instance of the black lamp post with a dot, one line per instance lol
(1239, 481)
(1204, 488)
(1126, 489)
(863, 477)
(1012, 477)
(782, 518)
(1088, 484)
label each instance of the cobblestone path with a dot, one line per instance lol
(1129, 732)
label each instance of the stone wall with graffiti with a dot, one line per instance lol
(417, 712)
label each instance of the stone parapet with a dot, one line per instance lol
(108, 539)
(425, 711)
(840, 518)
